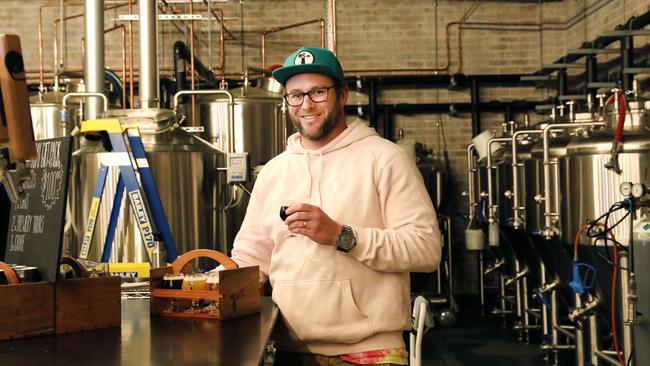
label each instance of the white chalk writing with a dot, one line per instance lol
(51, 184)
(17, 243)
(48, 154)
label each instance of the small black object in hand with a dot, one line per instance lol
(283, 212)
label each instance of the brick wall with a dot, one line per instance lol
(497, 38)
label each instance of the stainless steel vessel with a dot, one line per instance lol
(260, 129)
(260, 124)
(191, 189)
(588, 189)
(46, 116)
(534, 178)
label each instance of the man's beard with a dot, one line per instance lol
(325, 129)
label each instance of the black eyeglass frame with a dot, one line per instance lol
(309, 93)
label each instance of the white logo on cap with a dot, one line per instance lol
(304, 57)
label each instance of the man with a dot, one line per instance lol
(339, 264)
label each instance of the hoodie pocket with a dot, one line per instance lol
(322, 310)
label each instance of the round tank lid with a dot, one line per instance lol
(269, 85)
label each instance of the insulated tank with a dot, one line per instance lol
(260, 129)
(588, 188)
(185, 170)
(45, 110)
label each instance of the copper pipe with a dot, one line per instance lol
(40, 37)
(231, 37)
(162, 9)
(460, 32)
(40, 29)
(83, 42)
(279, 29)
(83, 48)
(52, 71)
(224, 30)
(460, 22)
(55, 26)
(222, 65)
(167, 72)
(429, 71)
(332, 11)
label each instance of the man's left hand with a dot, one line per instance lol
(312, 222)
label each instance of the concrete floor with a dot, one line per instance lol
(477, 340)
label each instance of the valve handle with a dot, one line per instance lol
(539, 296)
(580, 283)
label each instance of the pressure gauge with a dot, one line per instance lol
(626, 188)
(638, 190)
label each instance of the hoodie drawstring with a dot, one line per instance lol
(309, 186)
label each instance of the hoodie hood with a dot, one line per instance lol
(357, 130)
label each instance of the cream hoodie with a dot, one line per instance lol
(332, 302)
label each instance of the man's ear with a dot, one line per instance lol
(343, 94)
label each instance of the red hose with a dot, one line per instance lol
(576, 242)
(618, 135)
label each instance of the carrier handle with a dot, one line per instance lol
(184, 259)
(78, 268)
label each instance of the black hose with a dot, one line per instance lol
(167, 90)
(182, 54)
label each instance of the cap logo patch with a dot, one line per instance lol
(303, 58)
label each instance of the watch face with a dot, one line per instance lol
(346, 239)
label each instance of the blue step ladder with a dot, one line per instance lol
(143, 207)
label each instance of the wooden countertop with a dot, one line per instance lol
(143, 340)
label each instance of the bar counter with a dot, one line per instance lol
(143, 340)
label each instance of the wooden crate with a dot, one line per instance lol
(238, 292)
(26, 309)
(87, 304)
(71, 305)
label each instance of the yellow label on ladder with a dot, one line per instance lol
(90, 228)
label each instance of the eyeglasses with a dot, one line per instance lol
(317, 95)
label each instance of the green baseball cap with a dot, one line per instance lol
(310, 60)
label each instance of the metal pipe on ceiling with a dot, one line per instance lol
(148, 53)
(280, 29)
(94, 55)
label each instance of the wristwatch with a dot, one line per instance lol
(346, 240)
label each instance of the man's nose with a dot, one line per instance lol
(307, 103)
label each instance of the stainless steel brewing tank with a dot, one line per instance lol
(534, 177)
(260, 126)
(45, 110)
(185, 173)
(260, 129)
(589, 189)
(503, 183)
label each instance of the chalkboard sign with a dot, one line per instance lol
(35, 231)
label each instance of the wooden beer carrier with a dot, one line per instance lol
(70, 305)
(86, 303)
(26, 309)
(238, 293)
